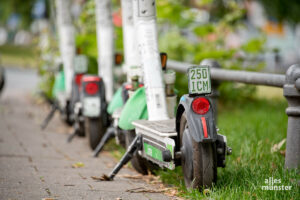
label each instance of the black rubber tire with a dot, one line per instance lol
(198, 160)
(66, 115)
(2, 79)
(137, 162)
(95, 130)
(81, 130)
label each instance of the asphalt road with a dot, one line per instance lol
(37, 164)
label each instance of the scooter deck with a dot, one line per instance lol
(162, 128)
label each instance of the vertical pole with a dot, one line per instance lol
(131, 56)
(145, 24)
(105, 43)
(291, 91)
(66, 40)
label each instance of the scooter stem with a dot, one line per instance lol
(131, 64)
(145, 24)
(105, 43)
(66, 41)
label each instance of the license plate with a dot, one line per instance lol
(199, 80)
(91, 106)
(80, 64)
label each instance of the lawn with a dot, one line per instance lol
(18, 56)
(252, 129)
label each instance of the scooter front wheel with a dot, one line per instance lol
(95, 130)
(198, 160)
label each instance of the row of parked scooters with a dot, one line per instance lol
(143, 115)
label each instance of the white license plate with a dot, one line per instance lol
(199, 80)
(91, 106)
(80, 64)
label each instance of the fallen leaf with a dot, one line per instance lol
(104, 177)
(145, 190)
(131, 176)
(90, 186)
(81, 176)
(119, 198)
(206, 192)
(276, 147)
(282, 152)
(274, 166)
(78, 165)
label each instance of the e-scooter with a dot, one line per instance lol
(131, 68)
(63, 79)
(190, 139)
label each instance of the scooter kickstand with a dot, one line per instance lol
(49, 117)
(125, 159)
(71, 137)
(110, 132)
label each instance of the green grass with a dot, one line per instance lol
(18, 56)
(251, 128)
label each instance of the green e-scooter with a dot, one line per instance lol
(190, 139)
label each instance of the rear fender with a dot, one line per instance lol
(196, 122)
(100, 94)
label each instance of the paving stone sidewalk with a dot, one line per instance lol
(37, 164)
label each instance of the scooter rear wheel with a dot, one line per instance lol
(95, 130)
(198, 160)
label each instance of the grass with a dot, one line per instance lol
(18, 56)
(252, 129)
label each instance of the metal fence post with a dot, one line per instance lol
(215, 84)
(291, 91)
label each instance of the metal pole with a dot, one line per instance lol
(66, 40)
(257, 78)
(145, 24)
(105, 43)
(131, 64)
(291, 91)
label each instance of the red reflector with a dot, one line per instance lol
(91, 88)
(200, 105)
(128, 87)
(78, 78)
(203, 120)
(90, 78)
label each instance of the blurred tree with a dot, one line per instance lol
(20, 7)
(198, 29)
(283, 10)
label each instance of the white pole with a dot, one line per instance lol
(145, 24)
(131, 54)
(66, 41)
(105, 43)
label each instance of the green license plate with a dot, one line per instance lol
(199, 80)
